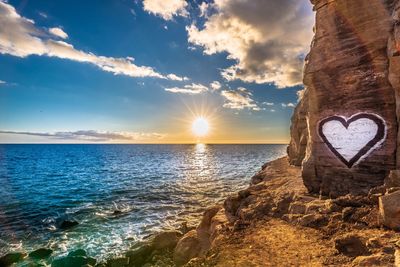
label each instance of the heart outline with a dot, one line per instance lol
(369, 147)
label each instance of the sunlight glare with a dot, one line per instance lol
(200, 126)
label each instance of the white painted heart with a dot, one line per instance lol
(352, 139)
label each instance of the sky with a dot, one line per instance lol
(127, 71)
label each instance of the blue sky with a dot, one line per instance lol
(136, 71)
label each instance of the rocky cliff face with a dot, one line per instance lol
(345, 129)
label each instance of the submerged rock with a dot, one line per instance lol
(74, 261)
(78, 252)
(66, 224)
(41, 253)
(12, 257)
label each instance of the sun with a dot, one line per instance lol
(200, 127)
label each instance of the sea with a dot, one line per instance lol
(119, 194)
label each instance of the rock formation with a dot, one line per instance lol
(353, 67)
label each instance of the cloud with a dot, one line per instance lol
(58, 32)
(288, 105)
(266, 39)
(239, 99)
(203, 9)
(268, 103)
(194, 88)
(166, 9)
(20, 37)
(174, 77)
(2, 82)
(215, 85)
(93, 136)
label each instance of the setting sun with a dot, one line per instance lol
(200, 126)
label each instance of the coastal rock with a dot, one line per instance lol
(299, 132)
(196, 242)
(166, 240)
(348, 71)
(11, 258)
(187, 248)
(41, 253)
(389, 210)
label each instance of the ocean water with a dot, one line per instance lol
(155, 187)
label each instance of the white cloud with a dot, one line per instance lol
(2, 82)
(239, 99)
(177, 78)
(300, 94)
(203, 9)
(20, 37)
(288, 105)
(58, 32)
(93, 136)
(193, 89)
(268, 103)
(166, 9)
(215, 85)
(267, 39)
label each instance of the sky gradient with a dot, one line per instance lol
(141, 71)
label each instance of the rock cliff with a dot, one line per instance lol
(345, 129)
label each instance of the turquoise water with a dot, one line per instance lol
(152, 187)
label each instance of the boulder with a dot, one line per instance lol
(351, 245)
(389, 210)
(393, 179)
(166, 240)
(140, 255)
(41, 253)
(187, 248)
(12, 257)
(373, 260)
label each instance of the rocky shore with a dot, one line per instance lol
(274, 222)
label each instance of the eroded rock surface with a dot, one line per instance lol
(352, 67)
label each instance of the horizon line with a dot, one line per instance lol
(189, 143)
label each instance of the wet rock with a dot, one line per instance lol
(118, 262)
(74, 261)
(140, 255)
(389, 210)
(166, 240)
(351, 245)
(41, 253)
(12, 257)
(78, 252)
(66, 224)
